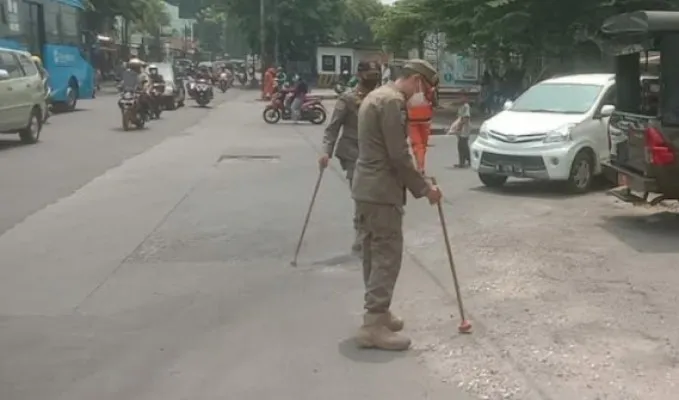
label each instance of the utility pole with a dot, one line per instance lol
(262, 44)
(277, 44)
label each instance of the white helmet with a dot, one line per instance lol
(153, 66)
(136, 61)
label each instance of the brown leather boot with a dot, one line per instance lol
(395, 324)
(375, 334)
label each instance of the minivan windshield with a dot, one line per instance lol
(559, 98)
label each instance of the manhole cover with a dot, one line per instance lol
(248, 157)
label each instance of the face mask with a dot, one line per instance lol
(418, 99)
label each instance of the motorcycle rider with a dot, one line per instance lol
(136, 80)
(155, 78)
(345, 116)
(281, 78)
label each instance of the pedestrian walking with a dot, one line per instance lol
(345, 116)
(384, 170)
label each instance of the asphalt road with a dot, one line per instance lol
(166, 276)
(77, 147)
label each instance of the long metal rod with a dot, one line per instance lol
(450, 257)
(308, 216)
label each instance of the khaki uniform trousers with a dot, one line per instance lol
(381, 230)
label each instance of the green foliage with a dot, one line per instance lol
(301, 25)
(355, 21)
(403, 25)
(147, 15)
(493, 27)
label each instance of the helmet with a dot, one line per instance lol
(153, 66)
(135, 62)
(36, 60)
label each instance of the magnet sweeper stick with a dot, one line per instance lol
(465, 326)
(308, 216)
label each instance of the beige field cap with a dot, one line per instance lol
(423, 68)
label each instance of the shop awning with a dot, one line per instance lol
(72, 3)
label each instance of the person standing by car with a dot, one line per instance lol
(462, 128)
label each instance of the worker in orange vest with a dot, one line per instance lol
(420, 113)
(269, 77)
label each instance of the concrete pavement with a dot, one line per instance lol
(75, 148)
(167, 277)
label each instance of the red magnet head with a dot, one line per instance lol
(465, 327)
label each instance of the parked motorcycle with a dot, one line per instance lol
(312, 110)
(203, 92)
(131, 111)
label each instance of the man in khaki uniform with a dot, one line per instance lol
(345, 116)
(384, 171)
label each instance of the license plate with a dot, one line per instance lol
(509, 169)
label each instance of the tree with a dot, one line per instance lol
(404, 25)
(355, 21)
(147, 15)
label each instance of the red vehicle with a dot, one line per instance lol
(312, 109)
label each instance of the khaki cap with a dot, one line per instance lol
(423, 68)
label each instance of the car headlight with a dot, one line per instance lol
(483, 131)
(560, 135)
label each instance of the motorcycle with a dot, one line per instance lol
(157, 91)
(203, 92)
(312, 110)
(131, 111)
(242, 78)
(223, 82)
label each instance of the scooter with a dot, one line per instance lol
(312, 110)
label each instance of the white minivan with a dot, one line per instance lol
(557, 130)
(22, 95)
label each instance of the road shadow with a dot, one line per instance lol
(6, 144)
(350, 350)
(654, 233)
(541, 190)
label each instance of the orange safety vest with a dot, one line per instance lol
(422, 113)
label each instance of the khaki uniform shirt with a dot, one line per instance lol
(345, 116)
(385, 168)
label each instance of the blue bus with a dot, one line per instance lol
(51, 30)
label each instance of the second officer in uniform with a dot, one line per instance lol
(345, 116)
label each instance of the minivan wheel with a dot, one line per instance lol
(492, 180)
(31, 133)
(582, 172)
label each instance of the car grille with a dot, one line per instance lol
(527, 163)
(536, 137)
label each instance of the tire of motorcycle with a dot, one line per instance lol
(127, 117)
(271, 115)
(139, 122)
(318, 115)
(202, 101)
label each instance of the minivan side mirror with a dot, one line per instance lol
(508, 104)
(606, 111)
(4, 75)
